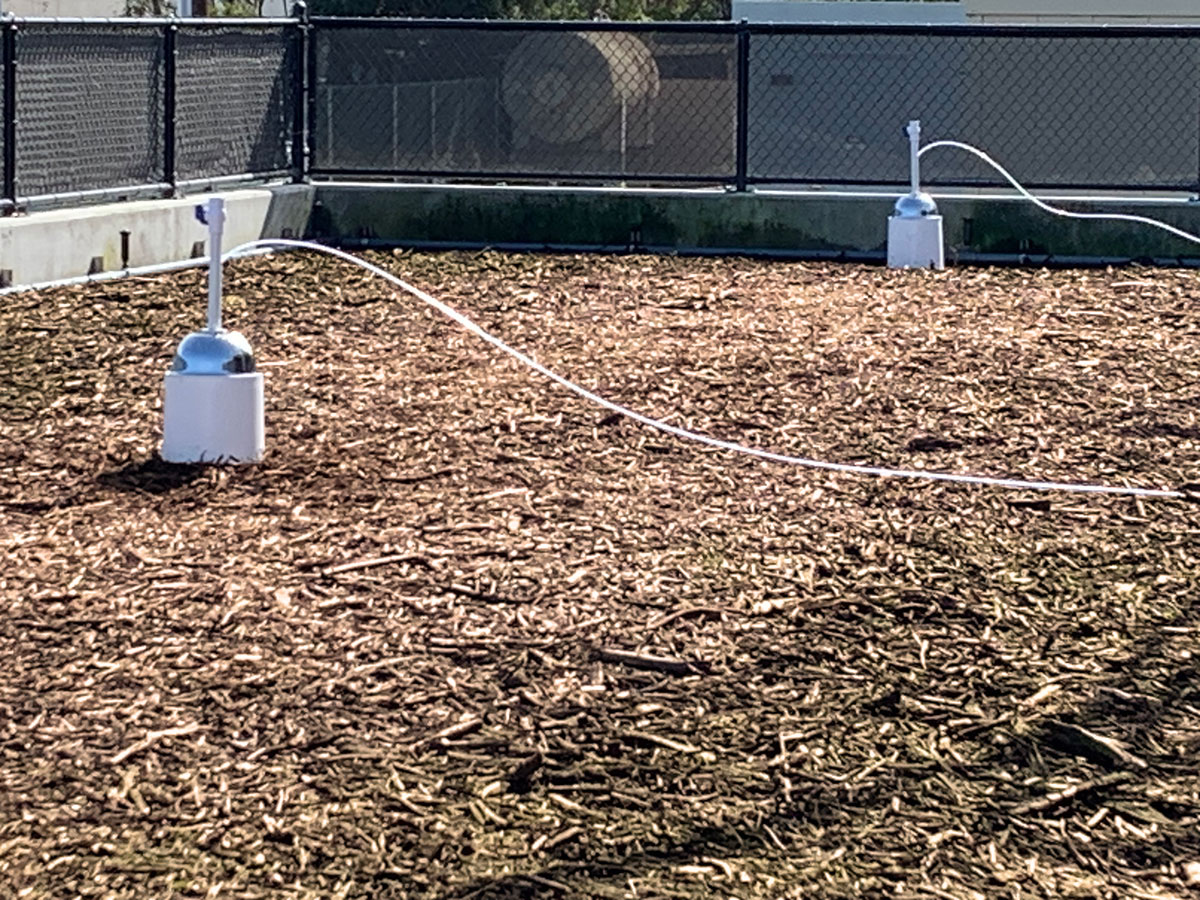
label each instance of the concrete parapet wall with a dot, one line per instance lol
(602, 219)
(66, 243)
(62, 244)
(813, 223)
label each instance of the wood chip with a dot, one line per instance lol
(381, 641)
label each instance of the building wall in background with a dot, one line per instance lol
(104, 8)
(1084, 12)
(849, 12)
(997, 12)
(63, 7)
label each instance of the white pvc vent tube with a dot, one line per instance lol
(214, 217)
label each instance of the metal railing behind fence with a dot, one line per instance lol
(96, 108)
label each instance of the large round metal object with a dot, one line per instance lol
(563, 87)
(213, 353)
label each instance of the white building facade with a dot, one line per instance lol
(109, 8)
(72, 8)
(963, 12)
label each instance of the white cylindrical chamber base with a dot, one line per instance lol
(213, 418)
(916, 243)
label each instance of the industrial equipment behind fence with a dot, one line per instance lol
(124, 108)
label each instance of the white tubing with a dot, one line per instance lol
(1055, 210)
(117, 274)
(684, 433)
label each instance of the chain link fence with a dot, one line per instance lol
(110, 107)
(89, 108)
(755, 104)
(236, 98)
(565, 102)
(102, 108)
(8, 128)
(1060, 109)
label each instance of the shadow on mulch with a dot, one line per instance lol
(151, 476)
(591, 877)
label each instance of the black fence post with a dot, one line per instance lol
(300, 92)
(170, 41)
(10, 114)
(1196, 186)
(310, 99)
(743, 103)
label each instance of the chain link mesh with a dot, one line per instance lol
(89, 107)
(1060, 110)
(569, 102)
(584, 101)
(235, 100)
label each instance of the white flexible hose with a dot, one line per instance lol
(684, 433)
(1055, 210)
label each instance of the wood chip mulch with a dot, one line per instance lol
(463, 635)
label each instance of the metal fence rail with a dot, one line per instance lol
(96, 108)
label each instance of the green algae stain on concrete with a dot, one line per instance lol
(715, 221)
(1017, 228)
(633, 220)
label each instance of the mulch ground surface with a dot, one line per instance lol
(464, 635)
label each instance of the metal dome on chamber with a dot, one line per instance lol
(914, 205)
(213, 353)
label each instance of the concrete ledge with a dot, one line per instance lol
(67, 243)
(847, 224)
(979, 227)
